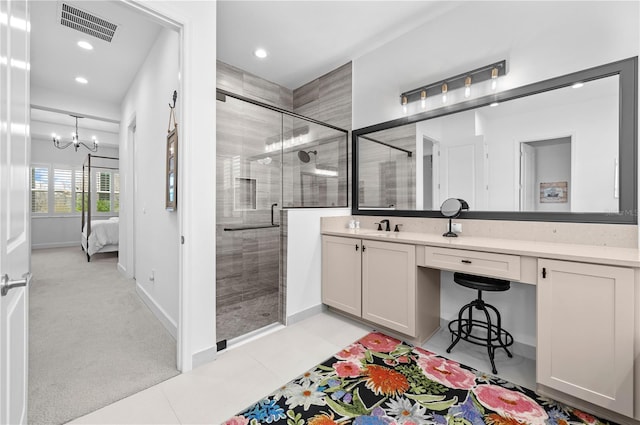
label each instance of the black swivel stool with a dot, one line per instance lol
(491, 335)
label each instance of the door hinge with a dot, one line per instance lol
(182, 240)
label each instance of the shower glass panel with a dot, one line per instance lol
(387, 173)
(249, 192)
(267, 159)
(314, 165)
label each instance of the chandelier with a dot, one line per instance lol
(75, 140)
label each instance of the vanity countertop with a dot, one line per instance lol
(615, 256)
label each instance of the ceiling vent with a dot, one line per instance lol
(87, 23)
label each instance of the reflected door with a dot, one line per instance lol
(249, 197)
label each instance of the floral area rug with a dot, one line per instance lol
(380, 380)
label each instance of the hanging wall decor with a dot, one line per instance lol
(171, 193)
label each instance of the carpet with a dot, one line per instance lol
(92, 340)
(380, 380)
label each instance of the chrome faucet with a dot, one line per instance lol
(388, 225)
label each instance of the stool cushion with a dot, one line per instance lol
(481, 283)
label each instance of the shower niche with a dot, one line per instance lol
(267, 160)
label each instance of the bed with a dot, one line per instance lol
(102, 238)
(98, 235)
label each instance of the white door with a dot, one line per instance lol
(14, 207)
(461, 171)
(527, 177)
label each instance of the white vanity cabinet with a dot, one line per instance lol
(586, 332)
(379, 282)
(389, 285)
(341, 274)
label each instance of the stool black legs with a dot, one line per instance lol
(496, 337)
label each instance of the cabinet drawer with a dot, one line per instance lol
(473, 262)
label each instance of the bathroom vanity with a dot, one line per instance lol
(587, 296)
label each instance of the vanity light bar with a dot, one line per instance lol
(484, 73)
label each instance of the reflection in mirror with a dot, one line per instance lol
(555, 151)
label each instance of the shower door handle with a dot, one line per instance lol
(272, 207)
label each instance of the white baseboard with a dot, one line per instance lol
(56, 245)
(158, 311)
(519, 348)
(304, 314)
(122, 269)
(204, 356)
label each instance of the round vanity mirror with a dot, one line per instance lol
(451, 208)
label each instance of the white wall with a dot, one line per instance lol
(197, 119)
(304, 257)
(593, 127)
(156, 230)
(539, 40)
(52, 98)
(54, 231)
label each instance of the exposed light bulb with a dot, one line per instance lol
(423, 99)
(467, 86)
(494, 78)
(404, 104)
(445, 89)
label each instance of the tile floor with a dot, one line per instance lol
(243, 374)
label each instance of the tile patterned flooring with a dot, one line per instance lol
(243, 374)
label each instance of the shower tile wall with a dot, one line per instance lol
(246, 84)
(389, 172)
(327, 99)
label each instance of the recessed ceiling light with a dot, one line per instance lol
(85, 45)
(577, 85)
(260, 53)
(81, 80)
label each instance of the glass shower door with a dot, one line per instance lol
(249, 193)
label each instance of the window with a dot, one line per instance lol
(103, 190)
(64, 195)
(107, 191)
(116, 192)
(40, 189)
(62, 191)
(80, 190)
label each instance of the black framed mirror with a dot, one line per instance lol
(563, 149)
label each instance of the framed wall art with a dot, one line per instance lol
(171, 191)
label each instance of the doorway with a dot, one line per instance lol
(545, 175)
(114, 292)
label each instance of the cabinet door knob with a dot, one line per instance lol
(544, 272)
(466, 261)
(356, 247)
(363, 248)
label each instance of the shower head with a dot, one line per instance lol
(304, 155)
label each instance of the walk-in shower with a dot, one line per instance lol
(267, 159)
